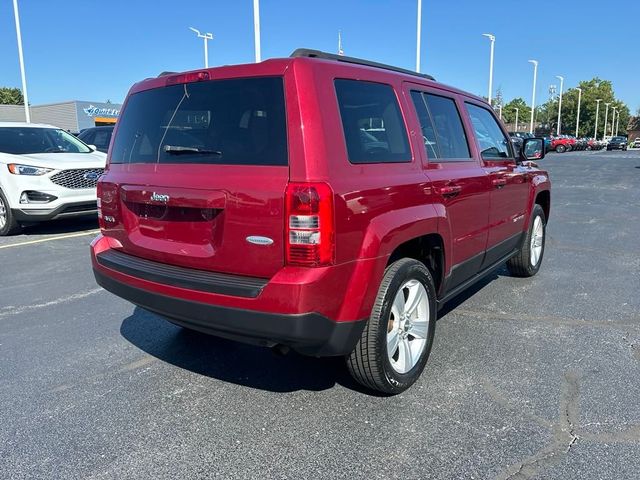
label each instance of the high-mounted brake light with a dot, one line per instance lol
(187, 78)
(310, 230)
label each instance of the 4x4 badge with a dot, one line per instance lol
(257, 240)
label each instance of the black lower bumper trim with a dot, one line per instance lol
(63, 211)
(308, 333)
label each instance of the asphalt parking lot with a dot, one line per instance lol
(528, 378)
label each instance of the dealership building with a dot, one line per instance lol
(74, 115)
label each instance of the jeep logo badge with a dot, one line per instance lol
(159, 197)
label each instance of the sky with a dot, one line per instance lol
(95, 50)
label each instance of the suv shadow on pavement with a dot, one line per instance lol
(233, 362)
(248, 365)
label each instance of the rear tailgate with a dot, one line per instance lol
(197, 176)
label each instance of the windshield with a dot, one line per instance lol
(618, 139)
(233, 122)
(28, 140)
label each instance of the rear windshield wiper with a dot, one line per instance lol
(179, 150)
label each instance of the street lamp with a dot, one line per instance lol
(613, 119)
(617, 123)
(256, 29)
(516, 127)
(206, 37)
(578, 115)
(418, 33)
(25, 96)
(606, 116)
(500, 110)
(560, 103)
(595, 130)
(492, 39)
(533, 95)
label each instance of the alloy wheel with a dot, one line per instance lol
(537, 237)
(408, 326)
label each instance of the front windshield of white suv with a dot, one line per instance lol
(28, 140)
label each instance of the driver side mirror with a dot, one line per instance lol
(532, 149)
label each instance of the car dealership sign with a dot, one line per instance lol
(93, 111)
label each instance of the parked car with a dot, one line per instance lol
(561, 144)
(221, 213)
(45, 174)
(617, 143)
(100, 137)
(636, 143)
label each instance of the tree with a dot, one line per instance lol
(596, 88)
(11, 96)
(509, 111)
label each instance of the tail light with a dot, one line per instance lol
(108, 216)
(310, 230)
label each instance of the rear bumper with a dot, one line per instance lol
(308, 333)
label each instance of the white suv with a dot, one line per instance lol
(45, 174)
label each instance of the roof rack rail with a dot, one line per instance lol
(310, 53)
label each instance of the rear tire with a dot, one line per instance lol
(561, 148)
(528, 260)
(8, 223)
(396, 341)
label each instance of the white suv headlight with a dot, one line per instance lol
(27, 169)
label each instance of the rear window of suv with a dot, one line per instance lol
(373, 127)
(236, 121)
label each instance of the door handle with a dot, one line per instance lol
(499, 182)
(450, 190)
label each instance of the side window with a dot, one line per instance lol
(373, 127)
(442, 130)
(102, 138)
(88, 138)
(493, 143)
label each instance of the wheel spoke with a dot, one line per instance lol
(405, 357)
(398, 305)
(419, 329)
(413, 299)
(393, 338)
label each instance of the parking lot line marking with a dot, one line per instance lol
(50, 303)
(50, 239)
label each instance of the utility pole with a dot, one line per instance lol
(492, 39)
(418, 34)
(578, 115)
(23, 75)
(516, 127)
(595, 130)
(560, 103)
(606, 116)
(533, 95)
(206, 37)
(256, 28)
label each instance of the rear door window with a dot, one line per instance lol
(373, 127)
(442, 129)
(232, 122)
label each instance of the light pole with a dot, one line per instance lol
(516, 127)
(533, 95)
(256, 28)
(578, 115)
(613, 119)
(595, 130)
(206, 37)
(25, 96)
(618, 123)
(418, 33)
(606, 116)
(560, 103)
(492, 39)
(500, 111)
(340, 50)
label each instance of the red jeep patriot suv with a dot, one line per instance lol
(321, 203)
